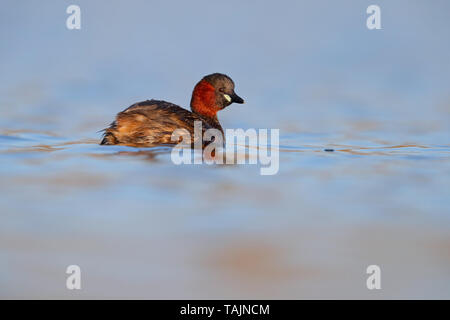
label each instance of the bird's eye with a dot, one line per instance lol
(222, 90)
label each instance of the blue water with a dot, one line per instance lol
(141, 227)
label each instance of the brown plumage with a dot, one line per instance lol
(152, 122)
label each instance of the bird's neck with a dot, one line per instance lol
(203, 101)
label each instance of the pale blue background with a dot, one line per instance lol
(143, 228)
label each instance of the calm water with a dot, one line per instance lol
(141, 227)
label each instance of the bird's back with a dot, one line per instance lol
(150, 123)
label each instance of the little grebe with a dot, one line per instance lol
(152, 122)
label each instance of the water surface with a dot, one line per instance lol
(141, 227)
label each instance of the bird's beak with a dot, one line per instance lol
(235, 98)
